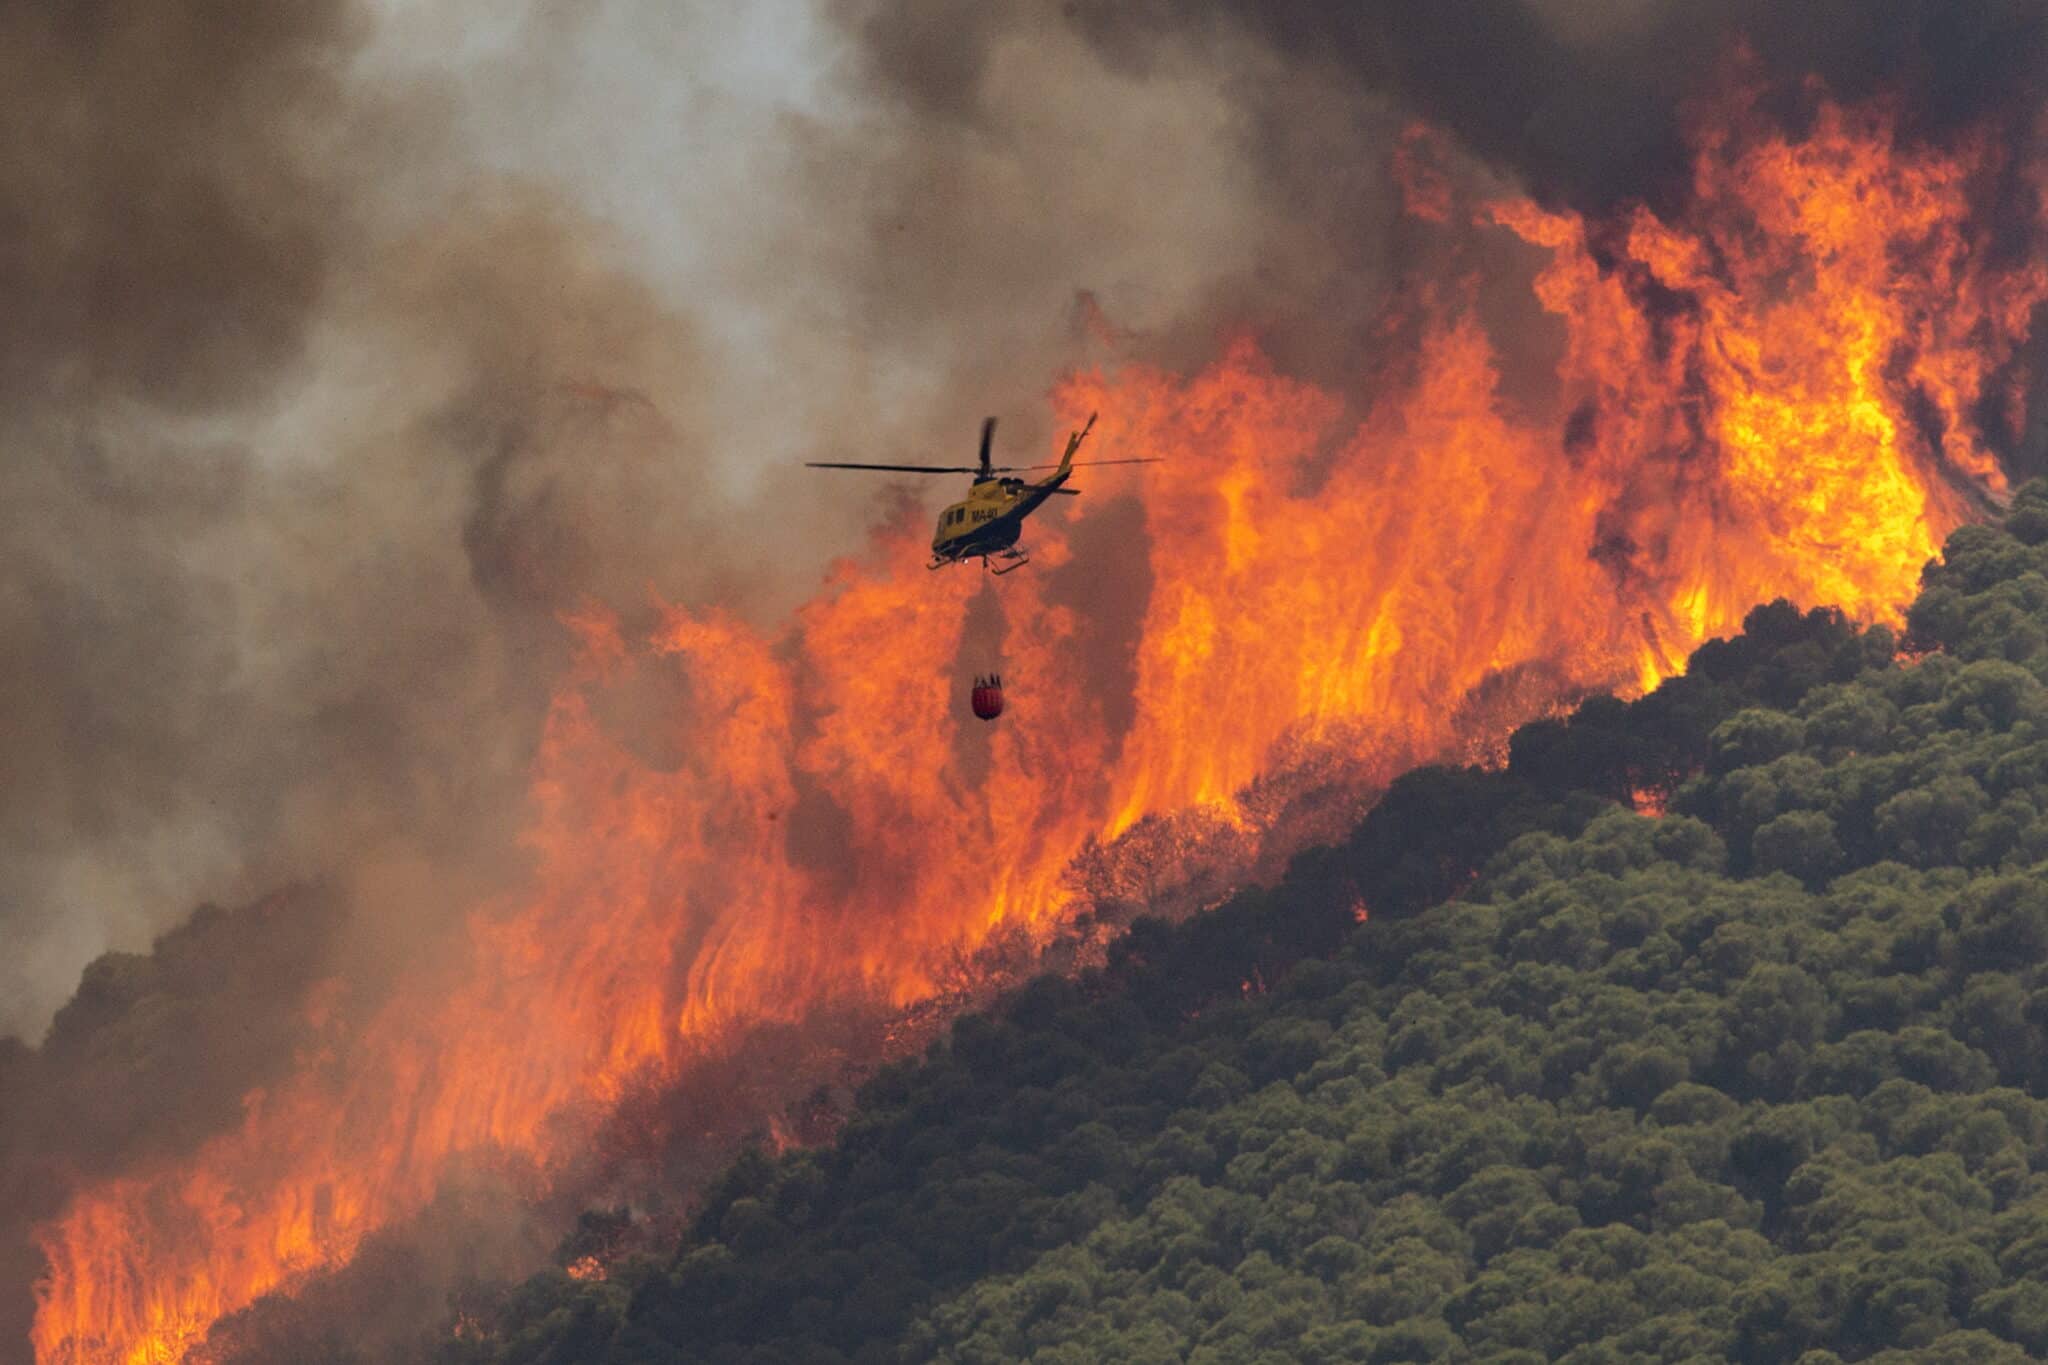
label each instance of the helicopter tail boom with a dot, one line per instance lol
(1073, 444)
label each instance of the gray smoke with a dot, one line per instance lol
(330, 379)
(1583, 103)
(171, 228)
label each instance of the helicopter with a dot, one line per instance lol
(986, 526)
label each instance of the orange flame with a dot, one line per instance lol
(1773, 396)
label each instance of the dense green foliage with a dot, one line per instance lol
(1762, 1079)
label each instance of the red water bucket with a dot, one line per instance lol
(988, 696)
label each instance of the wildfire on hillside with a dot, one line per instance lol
(1792, 388)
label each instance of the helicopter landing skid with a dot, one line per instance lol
(1017, 561)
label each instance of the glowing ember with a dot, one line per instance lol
(1775, 395)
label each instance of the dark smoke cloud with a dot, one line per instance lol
(167, 241)
(1581, 102)
(1192, 182)
(298, 475)
(166, 233)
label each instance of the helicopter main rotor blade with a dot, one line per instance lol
(1007, 469)
(897, 468)
(988, 436)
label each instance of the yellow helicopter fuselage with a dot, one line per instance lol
(987, 519)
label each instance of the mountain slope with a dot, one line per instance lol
(1757, 1078)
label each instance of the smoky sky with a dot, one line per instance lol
(330, 380)
(286, 503)
(1581, 102)
(165, 247)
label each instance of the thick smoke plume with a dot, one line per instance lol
(1583, 103)
(168, 240)
(325, 400)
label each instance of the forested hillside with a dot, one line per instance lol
(1757, 1078)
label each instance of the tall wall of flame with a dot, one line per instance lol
(1781, 392)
